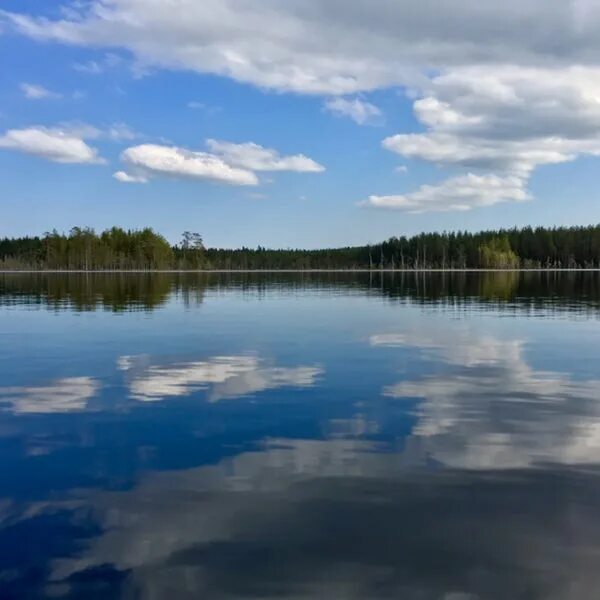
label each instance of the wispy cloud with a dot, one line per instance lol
(34, 91)
(257, 158)
(207, 109)
(97, 67)
(360, 111)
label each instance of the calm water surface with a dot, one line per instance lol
(428, 437)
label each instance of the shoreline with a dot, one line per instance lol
(223, 271)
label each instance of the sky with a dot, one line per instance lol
(304, 123)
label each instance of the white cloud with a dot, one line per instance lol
(459, 193)
(227, 163)
(33, 91)
(64, 395)
(510, 119)
(506, 120)
(499, 89)
(124, 177)
(288, 46)
(358, 110)
(55, 144)
(256, 158)
(147, 160)
(66, 142)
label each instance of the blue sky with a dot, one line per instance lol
(358, 131)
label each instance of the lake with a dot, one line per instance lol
(361, 435)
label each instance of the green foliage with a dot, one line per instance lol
(190, 252)
(497, 254)
(83, 249)
(117, 249)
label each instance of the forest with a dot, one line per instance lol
(116, 249)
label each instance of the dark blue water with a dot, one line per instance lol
(318, 436)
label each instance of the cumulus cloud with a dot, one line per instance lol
(505, 121)
(511, 119)
(235, 164)
(358, 110)
(150, 160)
(257, 158)
(55, 144)
(33, 91)
(459, 193)
(499, 90)
(65, 142)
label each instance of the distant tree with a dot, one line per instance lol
(497, 254)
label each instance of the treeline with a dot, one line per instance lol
(83, 249)
(563, 247)
(117, 249)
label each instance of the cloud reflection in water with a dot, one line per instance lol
(70, 394)
(491, 410)
(223, 376)
(336, 518)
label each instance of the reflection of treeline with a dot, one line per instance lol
(116, 249)
(570, 291)
(525, 289)
(544, 290)
(88, 291)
